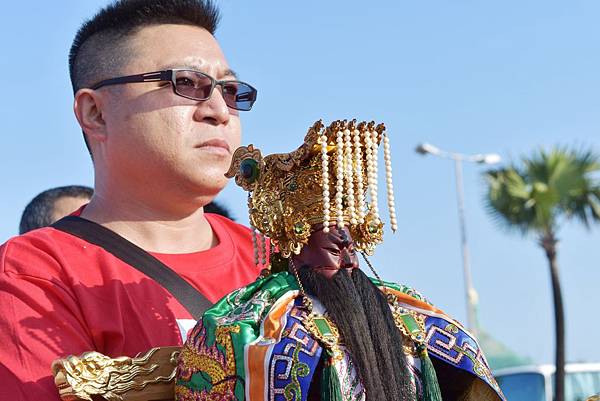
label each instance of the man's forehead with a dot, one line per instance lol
(169, 46)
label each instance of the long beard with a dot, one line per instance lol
(367, 329)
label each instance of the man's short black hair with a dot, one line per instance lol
(218, 208)
(39, 212)
(101, 48)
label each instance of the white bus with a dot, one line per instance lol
(536, 383)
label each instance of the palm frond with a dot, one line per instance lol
(507, 198)
(549, 186)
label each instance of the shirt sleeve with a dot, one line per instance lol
(40, 321)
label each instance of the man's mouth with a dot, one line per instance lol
(215, 145)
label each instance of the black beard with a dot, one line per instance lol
(364, 320)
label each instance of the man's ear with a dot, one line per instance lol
(88, 111)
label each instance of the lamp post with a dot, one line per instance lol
(490, 158)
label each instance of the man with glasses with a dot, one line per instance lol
(159, 108)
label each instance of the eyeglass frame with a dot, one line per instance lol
(169, 76)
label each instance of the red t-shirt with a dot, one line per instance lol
(60, 295)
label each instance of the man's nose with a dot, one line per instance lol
(214, 110)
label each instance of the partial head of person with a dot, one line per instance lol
(157, 100)
(53, 204)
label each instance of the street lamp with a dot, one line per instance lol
(489, 158)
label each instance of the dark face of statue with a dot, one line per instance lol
(327, 253)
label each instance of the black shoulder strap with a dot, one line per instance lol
(136, 257)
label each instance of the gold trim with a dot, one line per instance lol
(147, 376)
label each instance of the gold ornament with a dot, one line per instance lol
(93, 375)
(320, 184)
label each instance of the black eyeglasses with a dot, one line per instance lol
(194, 85)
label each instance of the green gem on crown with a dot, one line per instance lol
(249, 170)
(373, 228)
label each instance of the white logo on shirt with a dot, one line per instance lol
(185, 326)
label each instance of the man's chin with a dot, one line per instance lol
(201, 188)
(212, 188)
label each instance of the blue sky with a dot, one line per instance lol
(468, 76)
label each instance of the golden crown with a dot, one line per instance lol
(322, 183)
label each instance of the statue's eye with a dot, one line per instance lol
(334, 251)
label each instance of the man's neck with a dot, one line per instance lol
(151, 227)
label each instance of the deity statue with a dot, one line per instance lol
(314, 326)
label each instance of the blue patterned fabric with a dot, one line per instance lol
(451, 344)
(293, 360)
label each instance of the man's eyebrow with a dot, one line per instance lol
(196, 67)
(230, 72)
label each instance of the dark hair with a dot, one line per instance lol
(100, 47)
(38, 212)
(218, 208)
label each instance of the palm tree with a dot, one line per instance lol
(536, 198)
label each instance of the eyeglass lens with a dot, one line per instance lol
(196, 85)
